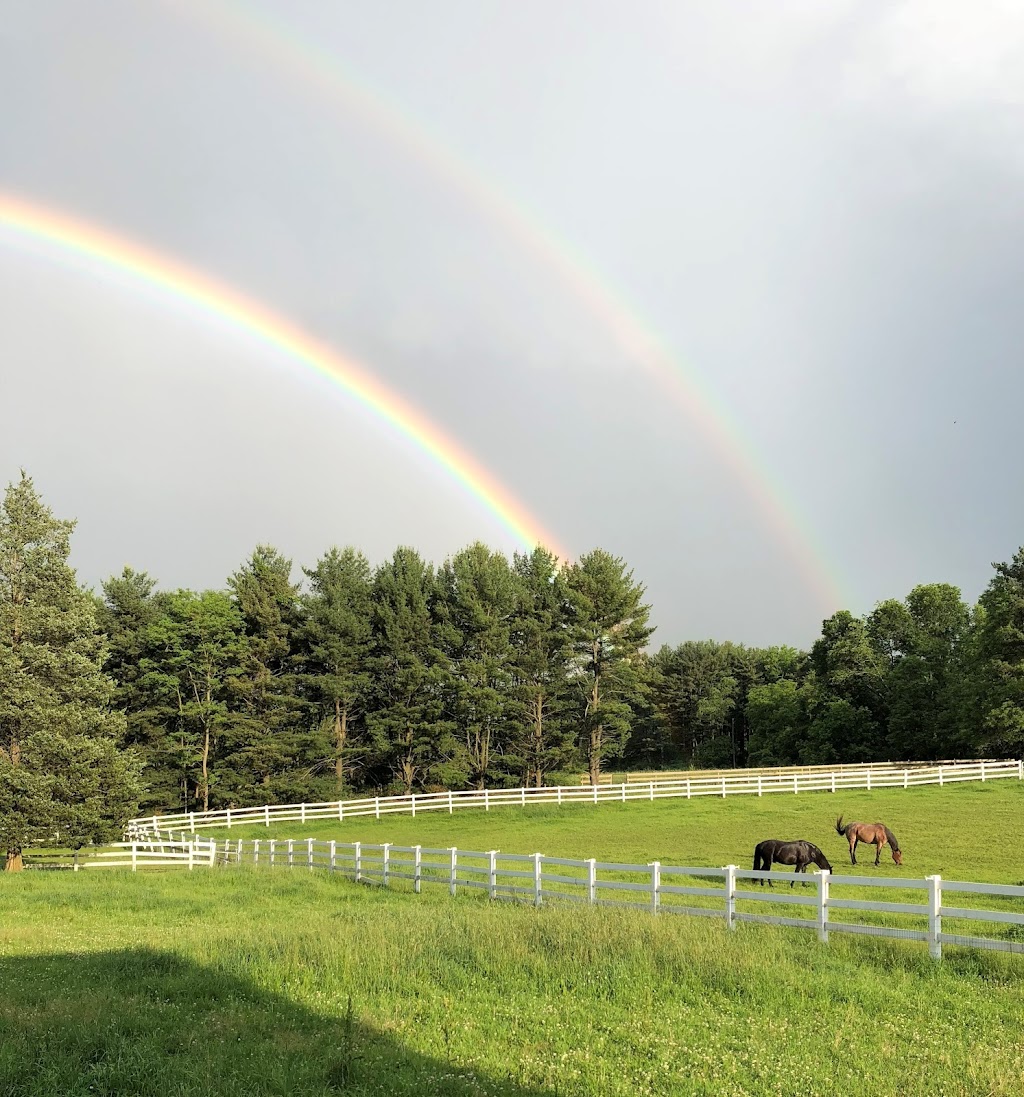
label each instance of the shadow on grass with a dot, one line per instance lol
(137, 1023)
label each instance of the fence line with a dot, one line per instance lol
(796, 780)
(661, 889)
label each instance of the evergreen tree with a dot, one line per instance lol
(128, 607)
(608, 628)
(414, 742)
(270, 754)
(195, 652)
(336, 634)
(478, 595)
(541, 661)
(1000, 648)
(62, 776)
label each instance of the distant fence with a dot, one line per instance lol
(665, 889)
(157, 851)
(795, 780)
(643, 776)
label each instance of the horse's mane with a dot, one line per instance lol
(892, 839)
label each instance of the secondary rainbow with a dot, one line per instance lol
(70, 236)
(311, 64)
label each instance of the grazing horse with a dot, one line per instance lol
(800, 854)
(871, 834)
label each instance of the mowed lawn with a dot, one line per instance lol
(238, 981)
(965, 832)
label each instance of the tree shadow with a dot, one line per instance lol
(144, 1023)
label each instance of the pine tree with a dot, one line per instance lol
(414, 742)
(62, 776)
(541, 660)
(269, 752)
(336, 634)
(477, 598)
(195, 653)
(609, 628)
(1001, 654)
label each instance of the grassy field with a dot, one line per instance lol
(964, 832)
(236, 981)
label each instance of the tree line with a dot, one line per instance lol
(409, 676)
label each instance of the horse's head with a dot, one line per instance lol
(822, 861)
(897, 856)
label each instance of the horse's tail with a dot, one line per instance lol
(891, 839)
(840, 829)
(757, 857)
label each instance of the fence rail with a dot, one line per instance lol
(733, 894)
(796, 780)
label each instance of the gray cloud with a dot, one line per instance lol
(817, 206)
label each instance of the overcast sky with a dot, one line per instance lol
(816, 206)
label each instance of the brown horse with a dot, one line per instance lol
(871, 834)
(801, 854)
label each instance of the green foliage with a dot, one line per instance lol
(608, 628)
(416, 744)
(1001, 654)
(336, 644)
(60, 769)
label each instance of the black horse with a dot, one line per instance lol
(800, 854)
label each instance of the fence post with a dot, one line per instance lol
(759, 788)
(359, 861)
(334, 854)
(449, 801)
(623, 789)
(135, 856)
(302, 813)
(266, 814)
(487, 800)
(76, 860)
(869, 780)
(192, 821)
(591, 880)
(905, 778)
(454, 870)
(229, 818)
(291, 852)
(213, 852)
(536, 879)
(341, 810)
(273, 851)
(309, 854)
(652, 790)
(940, 776)
(796, 787)
(730, 896)
(595, 793)
(983, 771)
(522, 796)
(934, 917)
(256, 851)
(417, 871)
(413, 802)
(823, 878)
(687, 788)
(1020, 769)
(241, 844)
(492, 874)
(655, 886)
(723, 788)
(386, 867)
(376, 806)
(191, 855)
(559, 791)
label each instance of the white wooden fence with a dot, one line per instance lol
(796, 780)
(156, 851)
(666, 889)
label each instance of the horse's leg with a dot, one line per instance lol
(853, 851)
(878, 851)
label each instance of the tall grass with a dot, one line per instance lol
(236, 981)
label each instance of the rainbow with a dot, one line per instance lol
(29, 222)
(310, 64)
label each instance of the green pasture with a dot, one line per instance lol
(237, 981)
(969, 831)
